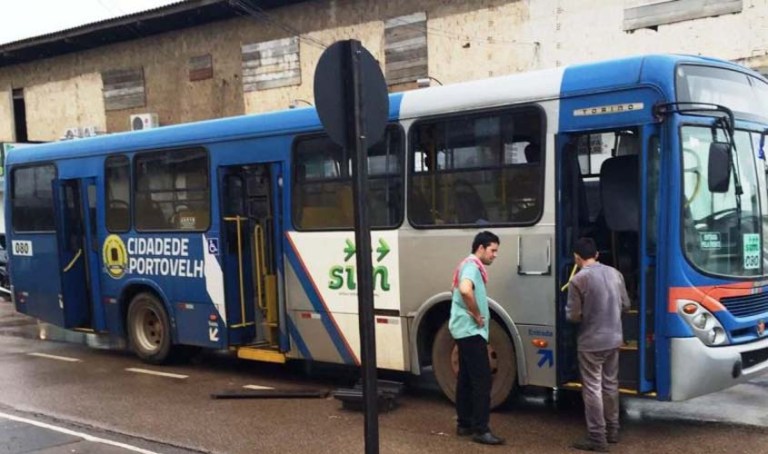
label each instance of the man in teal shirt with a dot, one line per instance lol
(468, 325)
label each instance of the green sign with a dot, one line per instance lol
(344, 275)
(751, 251)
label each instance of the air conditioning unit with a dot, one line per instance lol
(144, 121)
(90, 131)
(72, 133)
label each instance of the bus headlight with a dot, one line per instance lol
(703, 323)
(716, 336)
(701, 320)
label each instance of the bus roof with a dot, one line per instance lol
(486, 93)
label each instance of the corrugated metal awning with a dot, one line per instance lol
(175, 16)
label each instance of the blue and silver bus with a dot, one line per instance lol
(237, 233)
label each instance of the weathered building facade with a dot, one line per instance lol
(258, 59)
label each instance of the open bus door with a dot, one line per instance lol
(250, 203)
(608, 183)
(74, 201)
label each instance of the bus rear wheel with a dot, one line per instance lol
(501, 354)
(149, 332)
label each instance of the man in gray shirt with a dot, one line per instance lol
(596, 297)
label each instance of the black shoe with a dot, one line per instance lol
(464, 431)
(612, 437)
(588, 444)
(487, 439)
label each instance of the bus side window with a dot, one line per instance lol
(32, 199)
(172, 190)
(322, 183)
(117, 176)
(474, 169)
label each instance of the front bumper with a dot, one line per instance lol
(697, 369)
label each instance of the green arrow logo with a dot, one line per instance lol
(383, 249)
(349, 250)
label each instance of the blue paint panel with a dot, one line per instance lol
(189, 315)
(298, 340)
(175, 278)
(317, 305)
(676, 326)
(284, 122)
(597, 76)
(42, 295)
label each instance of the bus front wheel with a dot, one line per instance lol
(501, 354)
(149, 332)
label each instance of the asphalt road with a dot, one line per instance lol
(100, 391)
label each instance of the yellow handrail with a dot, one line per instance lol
(573, 271)
(258, 238)
(238, 220)
(72, 262)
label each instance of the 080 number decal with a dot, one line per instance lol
(22, 248)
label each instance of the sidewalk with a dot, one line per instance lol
(19, 436)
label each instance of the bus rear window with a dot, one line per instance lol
(32, 199)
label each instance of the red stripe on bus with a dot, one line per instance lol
(709, 295)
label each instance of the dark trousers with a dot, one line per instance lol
(473, 389)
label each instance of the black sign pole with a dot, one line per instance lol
(363, 246)
(352, 103)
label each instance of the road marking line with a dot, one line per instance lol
(84, 436)
(154, 372)
(257, 387)
(60, 358)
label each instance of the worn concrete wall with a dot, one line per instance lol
(164, 58)
(53, 107)
(466, 40)
(7, 125)
(584, 30)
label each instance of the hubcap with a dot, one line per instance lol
(492, 359)
(148, 329)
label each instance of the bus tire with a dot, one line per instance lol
(501, 354)
(149, 331)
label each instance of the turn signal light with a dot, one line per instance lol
(690, 308)
(213, 317)
(540, 343)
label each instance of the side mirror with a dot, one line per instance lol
(719, 167)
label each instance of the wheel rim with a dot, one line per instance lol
(149, 330)
(492, 359)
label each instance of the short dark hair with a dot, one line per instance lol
(484, 239)
(585, 248)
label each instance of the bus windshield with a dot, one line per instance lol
(723, 232)
(742, 93)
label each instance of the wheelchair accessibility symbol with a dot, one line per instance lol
(213, 246)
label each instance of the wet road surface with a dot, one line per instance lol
(100, 390)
